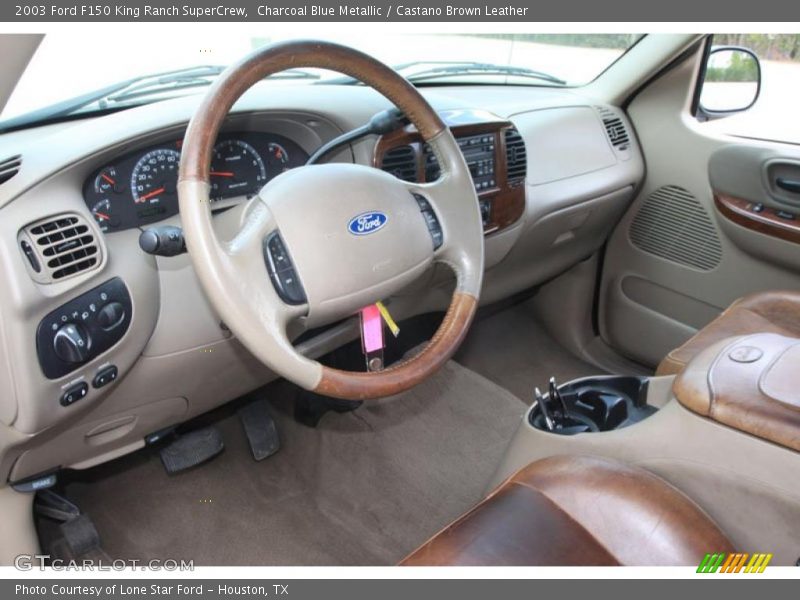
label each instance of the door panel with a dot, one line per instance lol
(682, 253)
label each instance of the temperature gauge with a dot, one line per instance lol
(278, 158)
(106, 182)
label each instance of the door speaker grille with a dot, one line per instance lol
(672, 224)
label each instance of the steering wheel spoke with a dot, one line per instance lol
(257, 223)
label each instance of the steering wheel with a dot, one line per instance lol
(334, 266)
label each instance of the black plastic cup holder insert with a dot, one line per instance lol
(602, 403)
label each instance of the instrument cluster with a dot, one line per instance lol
(140, 188)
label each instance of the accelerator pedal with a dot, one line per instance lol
(192, 449)
(260, 428)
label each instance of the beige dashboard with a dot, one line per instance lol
(175, 359)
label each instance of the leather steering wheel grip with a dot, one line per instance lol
(261, 329)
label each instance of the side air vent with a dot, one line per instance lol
(10, 167)
(59, 247)
(516, 155)
(401, 162)
(616, 131)
(672, 224)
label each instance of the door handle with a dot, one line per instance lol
(789, 185)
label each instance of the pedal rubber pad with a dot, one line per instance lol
(192, 449)
(80, 536)
(260, 428)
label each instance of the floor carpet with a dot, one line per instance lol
(364, 488)
(512, 349)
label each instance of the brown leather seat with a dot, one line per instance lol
(567, 510)
(766, 312)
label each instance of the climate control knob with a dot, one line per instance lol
(71, 343)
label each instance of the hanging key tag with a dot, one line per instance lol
(388, 318)
(372, 337)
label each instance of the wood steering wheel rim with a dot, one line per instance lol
(465, 257)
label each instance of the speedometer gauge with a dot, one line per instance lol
(236, 169)
(155, 177)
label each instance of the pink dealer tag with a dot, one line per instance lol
(372, 336)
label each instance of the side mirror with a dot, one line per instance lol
(731, 82)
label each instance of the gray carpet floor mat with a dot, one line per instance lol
(364, 488)
(512, 349)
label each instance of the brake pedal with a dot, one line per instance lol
(260, 428)
(192, 449)
(77, 536)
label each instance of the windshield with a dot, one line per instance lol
(65, 67)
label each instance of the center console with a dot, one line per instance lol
(725, 431)
(750, 384)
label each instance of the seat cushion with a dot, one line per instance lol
(766, 312)
(576, 511)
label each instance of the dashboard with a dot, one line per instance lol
(550, 183)
(140, 188)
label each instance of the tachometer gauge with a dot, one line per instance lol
(236, 169)
(107, 182)
(104, 215)
(278, 158)
(155, 176)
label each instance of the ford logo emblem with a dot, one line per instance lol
(366, 223)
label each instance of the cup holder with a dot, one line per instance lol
(592, 404)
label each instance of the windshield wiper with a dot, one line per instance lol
(455, 69)
(476, 68)
(132, 89)
(72, 105)
(189, 80)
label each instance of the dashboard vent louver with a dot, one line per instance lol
(10, 167)
(672, 224)
(401, 162)
(65, 245)
(516, 155)
(615, 129)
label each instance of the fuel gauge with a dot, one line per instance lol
(102, 212)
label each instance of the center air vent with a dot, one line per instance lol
(516, 155)
(401, 162)
(9, 167)
(59, 247)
